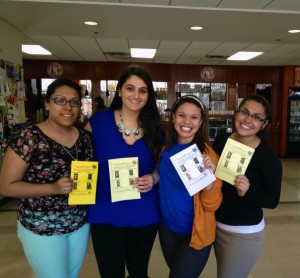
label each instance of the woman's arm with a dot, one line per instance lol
(12, 184)
(88, 127)
(212, 198)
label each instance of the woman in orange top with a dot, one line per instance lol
(188, 223)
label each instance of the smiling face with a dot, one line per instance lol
(63, 115)
(187, 121)
(134, 94)
(250, 119)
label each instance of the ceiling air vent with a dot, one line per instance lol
(215, 57)
(119, 55)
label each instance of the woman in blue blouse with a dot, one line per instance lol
(123, 232)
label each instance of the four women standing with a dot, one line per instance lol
(123, 232)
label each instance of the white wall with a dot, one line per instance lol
(10, 43)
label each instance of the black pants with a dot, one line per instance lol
(116, 247)
(182, 260)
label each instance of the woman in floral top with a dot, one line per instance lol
(36, 168)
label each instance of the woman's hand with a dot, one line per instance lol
(63, 186)
(208, 164)
(145, 183)
(242, 185)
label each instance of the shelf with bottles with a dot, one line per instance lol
(294, 137)
(201, 90)
(213, 95)
(294, 128)
(161, 93)
(219, 124)
(294, 119)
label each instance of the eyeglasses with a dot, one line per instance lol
(62, 101)
(254, 117)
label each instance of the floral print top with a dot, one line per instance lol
(47, 162)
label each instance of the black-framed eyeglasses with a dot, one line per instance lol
(254, 117)
(62, 101)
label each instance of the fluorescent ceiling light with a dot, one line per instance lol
(34, 49)
(294, 31)
(196, 28)
(91, 23)
(142, 52)
(244, 56)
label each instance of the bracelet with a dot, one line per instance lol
(155, 177)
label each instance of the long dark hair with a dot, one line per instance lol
(149, 118)
(201, 136)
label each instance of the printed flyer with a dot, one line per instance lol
(122, 172)
(189, 166)
(234, 161)
(84, 175)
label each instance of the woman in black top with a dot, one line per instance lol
(240, 221)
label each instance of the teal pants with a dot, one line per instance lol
(59, 256)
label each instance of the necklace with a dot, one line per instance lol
(66, 150)
(127, 131)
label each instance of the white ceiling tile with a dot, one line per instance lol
(195, 3)
(113, 45)
(284, 5)
(135, 43)
(146, 2)
(168, 51)
(243, 4)
(229, 48)
(261, 47)
(86, 47)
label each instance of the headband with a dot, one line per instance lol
(198, 100)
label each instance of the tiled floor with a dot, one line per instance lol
(280, 256)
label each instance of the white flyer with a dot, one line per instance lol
(190, 168)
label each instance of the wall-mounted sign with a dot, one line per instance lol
(207, 74)
(55, 70)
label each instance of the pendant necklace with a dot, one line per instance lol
(66, 150)
(125, 130)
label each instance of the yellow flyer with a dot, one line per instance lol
(122, 172)
(84, 175)
(234, 161)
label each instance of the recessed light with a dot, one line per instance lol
(294, 31)
(196, 28)
(91, 23)
(244, 56)
(142, 52)
(35, 49)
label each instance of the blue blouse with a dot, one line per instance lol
(177, 206)
(110, 144)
